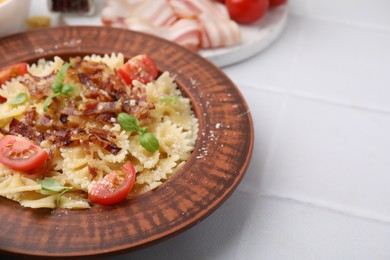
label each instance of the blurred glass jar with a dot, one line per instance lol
(13, 15)
(72, 7)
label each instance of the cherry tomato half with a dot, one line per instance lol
(114, 187)
(141, 68)
(273, 3)
(12, 71)
(19, 153)
(246, 11)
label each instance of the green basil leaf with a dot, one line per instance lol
(66, 89)
(149, 142)
(56, 86)
(128, 122)
(50, 184)
(19, 99)
(48, 100)
(142, 131)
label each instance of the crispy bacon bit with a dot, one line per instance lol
(45, 121)
(98, 81)
(111, 147)
(103, 95)
(61, 137)
(106, 117)
(94, 107)
(71, 111)
(102, 134)
(18, 127)
(4, 131)
(92, 171)
(39, 87)
(64, 118)
(29, 116)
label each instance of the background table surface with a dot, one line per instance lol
(318, 183)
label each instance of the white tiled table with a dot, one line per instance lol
(318, 186)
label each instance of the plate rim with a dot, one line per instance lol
(184, 225)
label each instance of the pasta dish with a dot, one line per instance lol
(91, 130)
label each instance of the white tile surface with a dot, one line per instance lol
(334, 156)
(265, 108)
(374, 13)
(271, 68)
(344, 63)
(259, 227)
(300, 7)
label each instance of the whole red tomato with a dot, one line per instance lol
(246, 11)
(273, 3)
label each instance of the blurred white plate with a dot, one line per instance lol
(255, 37)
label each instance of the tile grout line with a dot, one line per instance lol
(338, 210)
(355, 24)
(311, 97)
(282, 108)
(308, 96)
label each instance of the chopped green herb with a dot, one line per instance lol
(48, 101)
(19, 99)
(66, 89)
(50, 184)
(58, 86)
(62, 72)
(172, 99)
(53, 186)
(131, 124)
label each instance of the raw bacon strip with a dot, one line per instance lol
(115, 12)
(184, 32)
(190, 8)
(216, 27)
(194, 24)
(158, 12)
(184, 9)
(216, 34)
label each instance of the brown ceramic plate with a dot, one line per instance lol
(217, 165)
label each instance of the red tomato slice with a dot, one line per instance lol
(273, 3)
(141, 68)
(20, 153)
(246, 11)
(114, 187)
(12, 71)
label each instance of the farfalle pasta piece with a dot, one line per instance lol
(44, 68)
(113, 61)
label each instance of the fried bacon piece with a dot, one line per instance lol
(18, 127)
(99, 82)
(101, 94)
(109, 146)
(38, 87)
(95, 107)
